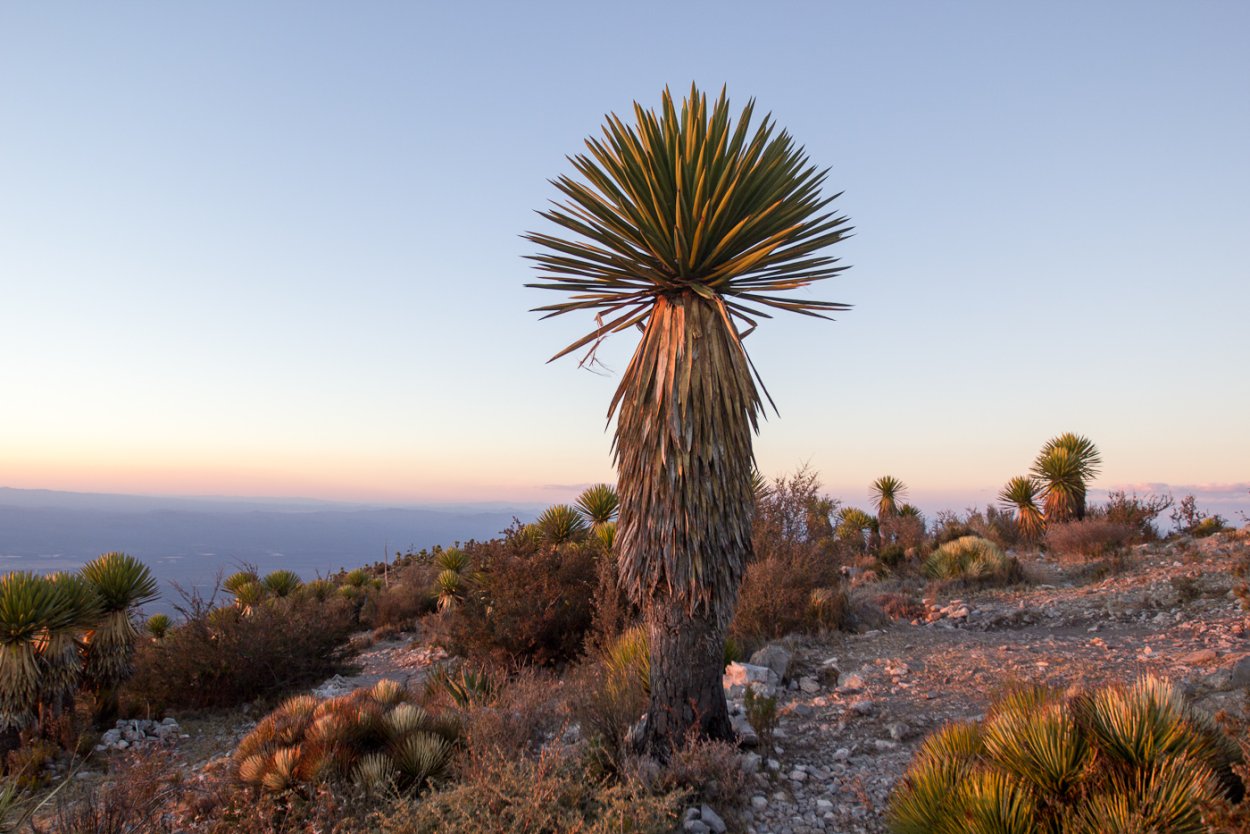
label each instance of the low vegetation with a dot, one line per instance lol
(1121, 758)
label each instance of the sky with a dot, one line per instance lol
(275, 249)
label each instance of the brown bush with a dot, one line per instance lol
(1093, 538)
(527, 602)
(222, 657)
(398, 606)
(795, 591)
(522, 714)
(900, 606)
(613, 612)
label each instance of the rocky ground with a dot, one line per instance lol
(854, 707)
(839, 748)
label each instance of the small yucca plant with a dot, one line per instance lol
(1022, 494)
(377, 738)
(453, 559)
(1118, 759)
(61, 646)
(158, 625)
(598, 504)
(561, 524)
(123, 583)
(465, 686)
(282, 583)
(27, 604)
(238, 579)
(628, 661)
(887, 490)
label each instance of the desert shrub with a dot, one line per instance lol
(791, 510)
(613, 611)
(903, 532)
(793, 582)
(703, 770)
(399, 606)
(974, 560)
(221, 657)
(1093, 538)
(1187, 519)
(551, 794)
(1136, 513)
(379, 738)
(525, 602)
(761, 712)
(610, 695)
(795, 590)
(1209, 527)
(900, 606)
(515, 720)
(1118, 759)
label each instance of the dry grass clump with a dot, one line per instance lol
(221, 657)
(972, 560)
(1088, 540)
(549, 794)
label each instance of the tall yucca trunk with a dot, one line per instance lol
(688, 407)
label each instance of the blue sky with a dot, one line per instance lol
(274, 249)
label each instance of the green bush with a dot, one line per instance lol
(974, 560)
(1117, 759)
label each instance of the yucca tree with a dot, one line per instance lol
(28, 603)
(598, 505)
(1021, 494)
(886, 491)
(686, 225)
(1065, 466)
(123, 583)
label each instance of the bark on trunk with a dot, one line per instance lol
(687, 666)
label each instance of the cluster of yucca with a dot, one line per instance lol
(1118, 759)
(379, 738)
(63, 631)
(1055, 489)
(592, 514)
(972, 559)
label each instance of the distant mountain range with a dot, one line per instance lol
(189, 540)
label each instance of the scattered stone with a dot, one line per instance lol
(759, 802)
(863, 707)
(898, 730)
(712, 819)
(809, 685)
(1241, 674)
(828, 673)
(738, 676)
(797, 775)
(774, 657)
